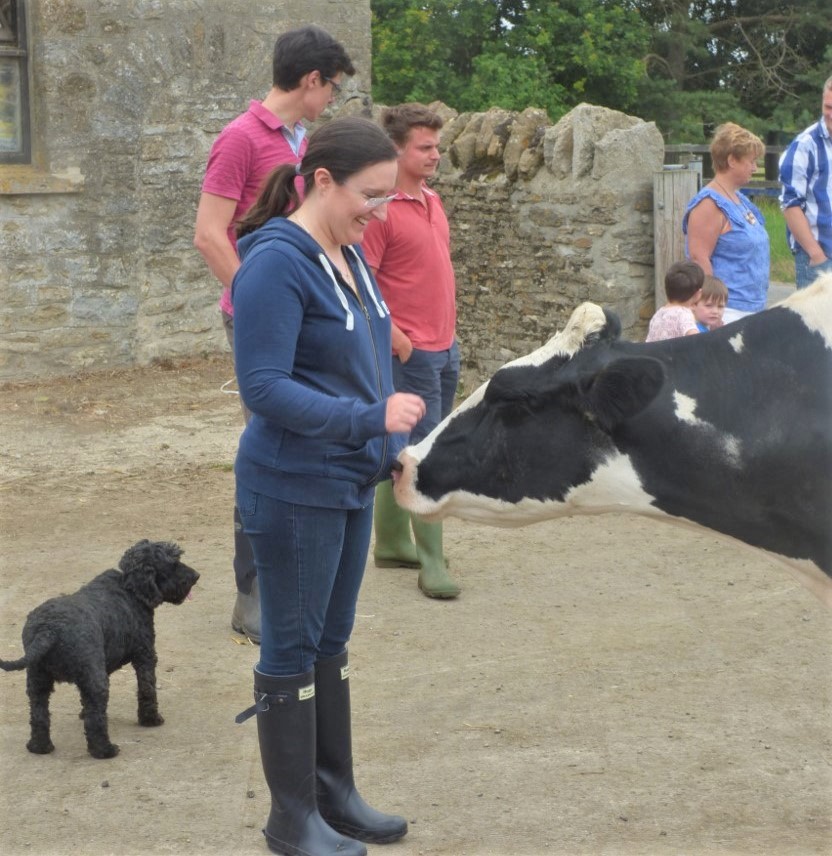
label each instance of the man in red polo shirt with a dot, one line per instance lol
(410, 253)
(307, 68)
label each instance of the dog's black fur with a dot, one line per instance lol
(82, 638)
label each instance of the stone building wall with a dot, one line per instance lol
(97, 267)
(544, 217)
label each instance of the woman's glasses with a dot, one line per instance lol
(372, 201)
(377, 201)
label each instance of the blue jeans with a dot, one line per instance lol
(805, 274)
(434, 376)
(310, 563)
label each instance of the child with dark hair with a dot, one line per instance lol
(711, 305)
(683, 287)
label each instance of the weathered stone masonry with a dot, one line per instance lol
(97, 267)
(544, 217)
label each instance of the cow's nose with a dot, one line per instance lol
(397, 467)
(403, 479)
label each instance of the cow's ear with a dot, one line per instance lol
(621, 389)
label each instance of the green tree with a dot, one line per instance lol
(594, 50)
(474, 54)
(423, 51)
(753, 61)
(686, 64)
(514, 83)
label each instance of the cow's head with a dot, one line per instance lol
(517, 449)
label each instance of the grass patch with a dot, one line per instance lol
(782, 260)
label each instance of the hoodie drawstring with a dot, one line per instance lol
(325, 264)
(380, 308)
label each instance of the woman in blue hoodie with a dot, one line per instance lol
(312, 353)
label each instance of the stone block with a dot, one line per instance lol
(493, 134)
(525, 139)
(629, 156)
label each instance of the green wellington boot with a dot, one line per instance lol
(434, 580)
(393, 547)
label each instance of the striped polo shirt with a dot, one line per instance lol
(806, 176)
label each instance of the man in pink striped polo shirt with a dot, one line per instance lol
(308, 66)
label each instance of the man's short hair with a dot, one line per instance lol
(305, 49)
(682, 281)
(398, 121)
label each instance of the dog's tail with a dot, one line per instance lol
(36, 651)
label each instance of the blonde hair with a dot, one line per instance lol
(713, 288)
(730, 139)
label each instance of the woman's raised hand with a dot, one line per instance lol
(404, 410)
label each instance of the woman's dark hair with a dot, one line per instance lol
(342, 146)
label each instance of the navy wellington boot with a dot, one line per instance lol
(339, 802)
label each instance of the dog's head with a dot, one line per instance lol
(154, 574)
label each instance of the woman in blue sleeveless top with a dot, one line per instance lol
(725, 232)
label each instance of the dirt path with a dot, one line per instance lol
(603, 686)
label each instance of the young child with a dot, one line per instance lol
(683, 287)
(711, 304)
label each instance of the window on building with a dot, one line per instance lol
(15, 136)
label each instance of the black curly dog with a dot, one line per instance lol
(82, 638)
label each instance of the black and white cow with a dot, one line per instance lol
(730, 430)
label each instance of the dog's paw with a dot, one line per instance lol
(40, 747)
(108, 750)
(151, 720)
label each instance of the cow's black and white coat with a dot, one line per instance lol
(730, 430)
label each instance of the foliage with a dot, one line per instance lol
(782, 260)
(424, 51)
(473, 54)
(767, 57)
(686, 64)
(513, 84)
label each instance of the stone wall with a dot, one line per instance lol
(97, 267)
(543, 217)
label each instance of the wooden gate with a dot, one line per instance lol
(673, 188)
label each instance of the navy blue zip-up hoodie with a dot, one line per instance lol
(313, 363)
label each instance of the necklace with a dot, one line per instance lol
(727, 193)
(747, 212)
(346, 272)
